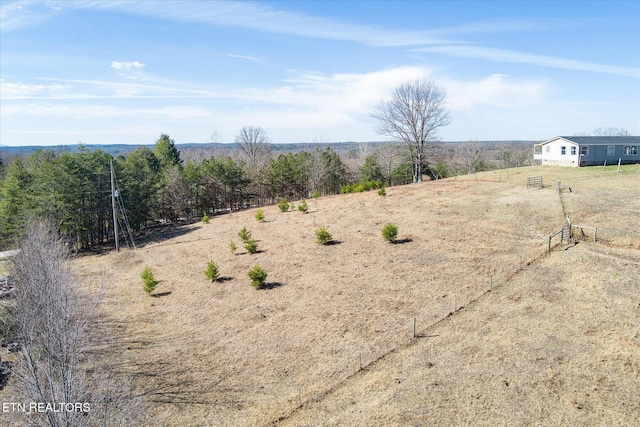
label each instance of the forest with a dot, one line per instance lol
(162, 184)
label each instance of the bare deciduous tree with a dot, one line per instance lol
(252, 142)
(413, 115)
(469, 156)
(610, 131)
(50, 317)
(388, 157)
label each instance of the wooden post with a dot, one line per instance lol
(595, 232)
(619, 160)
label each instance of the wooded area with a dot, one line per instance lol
(162, 184)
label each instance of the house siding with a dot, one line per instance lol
(552, 153)
(600, 150)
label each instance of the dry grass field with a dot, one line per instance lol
(556, 341)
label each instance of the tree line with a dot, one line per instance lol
(73, 189)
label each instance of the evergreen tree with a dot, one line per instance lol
(14, 196)
(166, 152)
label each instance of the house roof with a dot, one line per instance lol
(603, 140)
(598, 140)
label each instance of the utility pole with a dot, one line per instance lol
(113, 206)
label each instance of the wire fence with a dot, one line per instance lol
(313, 386)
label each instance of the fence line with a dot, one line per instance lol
(401, 337)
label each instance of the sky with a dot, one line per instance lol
(125, 72)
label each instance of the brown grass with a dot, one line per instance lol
(554, 343)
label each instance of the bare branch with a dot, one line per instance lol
(413, 116)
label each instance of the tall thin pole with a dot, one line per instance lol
(113, 206)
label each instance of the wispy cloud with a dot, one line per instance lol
(126, 66)
(256, 16)
(503, 55)
(497, 91)
(17, 15)
(248, 58)
(263, 17)
(66, 89)
(17, 90)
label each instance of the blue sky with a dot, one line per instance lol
(311, 71)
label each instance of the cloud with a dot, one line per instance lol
(18, 90)
(248, 58)
(498, 91)
(18, 15)
(126, 66)
(503, 55)
(263, 17)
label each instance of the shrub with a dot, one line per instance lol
(257, 276)
(251, 246)
(302, 207)
(205, 219)
(382, 192)
(283, 205)
(359, 187)
(292, 206)
(322, 236)
(148, 280)
(259, 215)
(390, 232)
(316, 194)
(212, 271)
(244, 234)
(233, 247)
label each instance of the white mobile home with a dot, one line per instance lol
(587, 150)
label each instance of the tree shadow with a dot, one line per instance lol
(161, 294)
(224, 279)
(154, 379)
(402, 241)
(332, 243)
(272, 285)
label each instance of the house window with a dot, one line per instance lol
(611, 150)
(630, 150)
(563, 150)
(547, 149)
(584, 150)
(573, 151)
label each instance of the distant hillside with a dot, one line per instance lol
(122, 149)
